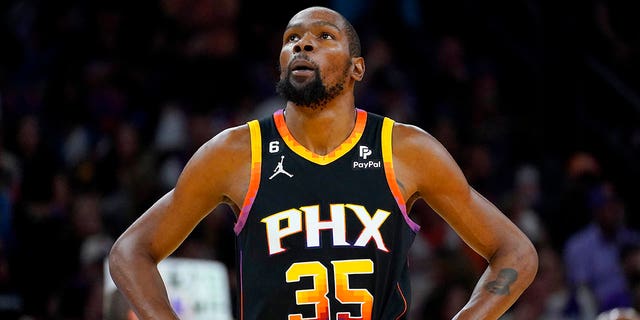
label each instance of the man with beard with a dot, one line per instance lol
(321, 190)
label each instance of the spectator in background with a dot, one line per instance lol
(480, 169)
(11, 302)
(9, 174)
(524, 203)
(549, 297)
(84, 249)
(592, 254)
(35, 215)
(630, 259)
(619, 314)
(615, 24)
(125, 175)
(388, 90)
(38, 165)
(453, 277)
(581, 173)
(448, 87)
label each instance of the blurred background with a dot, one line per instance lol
(103, 102)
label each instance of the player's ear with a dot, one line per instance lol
(357, 68)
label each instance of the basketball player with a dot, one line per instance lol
(321, 191)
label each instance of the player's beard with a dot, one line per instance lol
(314, 94)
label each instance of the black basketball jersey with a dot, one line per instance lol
(323, 236)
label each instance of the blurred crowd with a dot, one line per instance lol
(102, 103)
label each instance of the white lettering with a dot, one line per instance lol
(371, 226)
(275, 233)
(285, 223)
(314, 225)
(367, 165)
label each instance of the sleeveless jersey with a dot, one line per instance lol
(323, 236)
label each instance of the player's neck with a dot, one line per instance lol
(320, 130)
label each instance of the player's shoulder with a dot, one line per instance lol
(235, 134)
(411, 137)
(231, 141)
(414, 144)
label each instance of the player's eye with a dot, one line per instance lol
(326, 36)
(293, 37)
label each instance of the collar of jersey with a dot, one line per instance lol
(344, 147)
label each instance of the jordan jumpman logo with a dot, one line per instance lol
(280, 169)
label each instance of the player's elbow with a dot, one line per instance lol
(527, 257)
(117, 258)
(518, 253)
(123, 256)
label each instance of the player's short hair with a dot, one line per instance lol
(354, 40)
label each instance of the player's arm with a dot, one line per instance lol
(217, 172)
(425, 169)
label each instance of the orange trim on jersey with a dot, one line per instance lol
(387, 158)
(254, 180)
(403, 300)
(342, 149)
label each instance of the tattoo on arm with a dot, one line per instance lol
(501, 285)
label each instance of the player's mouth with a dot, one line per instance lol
(302, 69)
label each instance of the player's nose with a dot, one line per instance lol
(304, 44)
